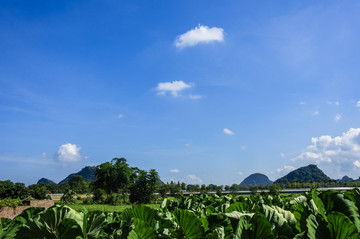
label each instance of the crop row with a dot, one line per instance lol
(329, 214)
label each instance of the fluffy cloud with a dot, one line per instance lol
(229, 132)
(286, 169)
(193, 179)
(120, 116)
(68, 153)
(200, 34)
(316, 112)
(337, 117)
(341, 152)
(358, 104)
(174, 88)
(175, 170)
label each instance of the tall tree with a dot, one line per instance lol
(114, 176)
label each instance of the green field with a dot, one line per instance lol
(106, 207)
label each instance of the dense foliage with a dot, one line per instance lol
(118, 178)
(310, 173)
(329, 214)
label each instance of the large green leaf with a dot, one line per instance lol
(261, 227)
(144, 213)
(301, 212)
(317, 228)
(277, 217)
(220, 220)
(190, 226)
(238, 206)
(9, 232)
(29, 213)
(243, 228)
(142, 230)
(93, 223)
(335, 201)
(257, 227)
(341, 227)
(56, 222)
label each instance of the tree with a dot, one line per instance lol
(10, 190)
(77, 183)
(114, 176)
(142, 190)
(38, 191)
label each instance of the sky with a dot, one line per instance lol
(202, 91)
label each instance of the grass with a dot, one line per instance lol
(106, 207)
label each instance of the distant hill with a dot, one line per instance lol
(88, 174)
(256, 179)
(310, 173)
(346, 179)
(44, 180)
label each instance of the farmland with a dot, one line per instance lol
(328, 214)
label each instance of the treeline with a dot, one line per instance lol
(116, 182)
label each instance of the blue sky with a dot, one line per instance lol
(204, 92)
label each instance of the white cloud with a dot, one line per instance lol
(229, 132)
(240, 173)
(195, 97)
(200, 34)
(68, 153)
(337, 117)
(243, 147)
(175, 170)
(285, 170)
(302, 103)
(282, 155)
(316, 112)
(357, 163)
(193, 179)
(174, 88)
(187, 145)
(358, 104)
(120, 116)
(342, 153)
(43, 154)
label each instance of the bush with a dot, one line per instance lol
(10, 202)
(99, 195)
(38, 191)
(114, 199)
(68, 197)
(88, 200)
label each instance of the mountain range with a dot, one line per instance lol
(310, 173)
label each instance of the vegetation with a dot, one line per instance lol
(329, 214)
(310, 173)
(87, 173)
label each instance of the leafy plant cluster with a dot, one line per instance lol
(117, 178)
(330, 214)
(8, 202)
(12, 190)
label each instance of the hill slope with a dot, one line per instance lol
(88, 174)
(256, 179)
(310, 173)
(44, 180)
